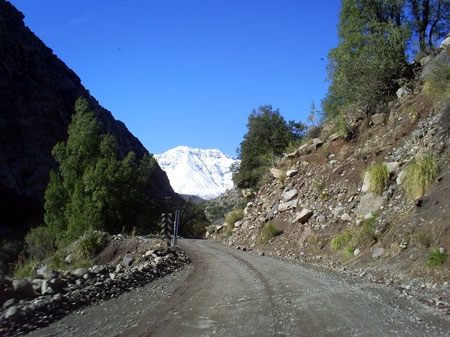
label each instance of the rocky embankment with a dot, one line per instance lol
(32, 302)
(320, 202)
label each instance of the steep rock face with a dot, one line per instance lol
(37, 96)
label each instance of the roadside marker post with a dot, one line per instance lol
(175, 229)
(166, 228)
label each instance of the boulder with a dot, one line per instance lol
(291, 173)
(302, 216)
(285, 206)
(128, 260)
(80, 272)
(277, 173)
(23, 288)
(317, 142)
(402, 93)
(289, 195)
(369, 203)
(378, 119)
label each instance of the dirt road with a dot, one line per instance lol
(227, 292)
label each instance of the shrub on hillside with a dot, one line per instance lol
(341, 240)
(9, 251)
(234, 216)
(378, 177)
(269, 231)
(419, 175)
(40, 243)
(437, 257)
(92, 243)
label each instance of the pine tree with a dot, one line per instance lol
(93, 188)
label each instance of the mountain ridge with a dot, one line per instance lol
(205, 173)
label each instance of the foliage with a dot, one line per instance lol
(349, 250)
(378, 177)
(419, 175)
(9, 251)
(25, 268)
(376, 39)
(234, 216)
(437, 82)
(429, 20)
(40, 243)
(340, 241)
(193, 220)
(228, 230)
(367, 231)
(268, 232)
(268, 136)
(436, 258)
(94, 188)
(92, 243)
(369, 58)
(349, 240)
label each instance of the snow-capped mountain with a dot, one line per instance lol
(199, 172)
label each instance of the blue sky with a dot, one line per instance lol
(190, 72)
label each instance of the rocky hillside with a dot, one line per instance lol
(318, 206)
(37, 96)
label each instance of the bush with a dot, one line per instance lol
(436, 258)
(419, 175)
(92, 243)
(341, 240)
(269, 231)
(40, 243)
(367, 231)
(234, 216)
(9, 251)
(378, 177)
(25, 268)
(349, 250)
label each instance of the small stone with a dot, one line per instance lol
(317, 142)
(287, 205)
(346, 217)
(276, 173)
(128, 260)
(12, 312)
(80, 272)
(378, 252)
(9, 303)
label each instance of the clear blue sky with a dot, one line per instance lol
(190, 72)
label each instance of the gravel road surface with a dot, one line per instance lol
(227, 292)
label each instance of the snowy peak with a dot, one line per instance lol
(199, 172)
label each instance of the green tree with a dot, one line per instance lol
(429, 20)
(193, 220)
(94, 188)
(369, 58)
(268, 135)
